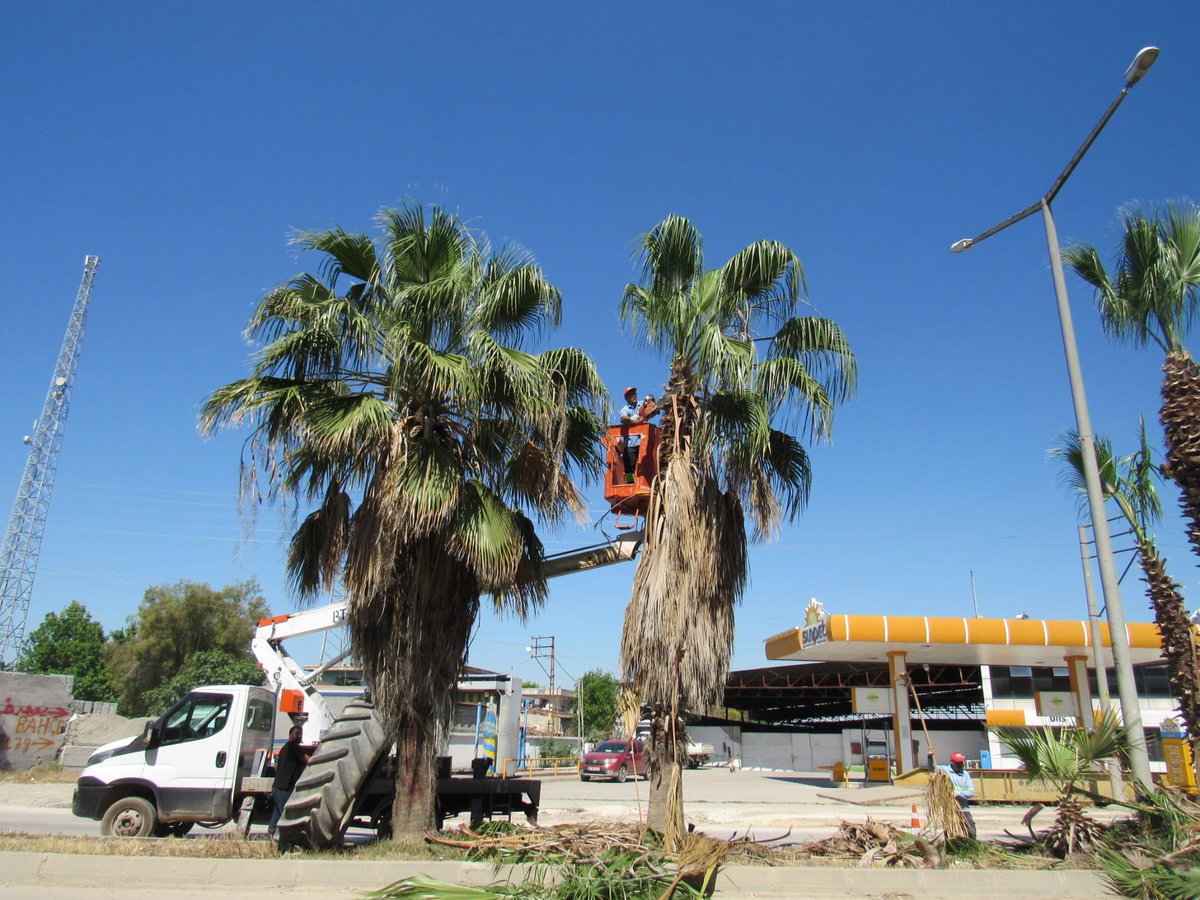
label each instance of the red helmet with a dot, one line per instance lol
(957, 757)
(630, 390)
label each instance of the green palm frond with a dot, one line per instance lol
(824, 350)
(1130, 481)
(768, 277)
(348, 254)
(1153, 297)
(1066, 757)
(1142, 477)
(1069, 450)
(515, 298)
(790, 386)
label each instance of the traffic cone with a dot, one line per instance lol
(915, 823)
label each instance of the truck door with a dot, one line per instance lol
(258, 735)
(196, 761)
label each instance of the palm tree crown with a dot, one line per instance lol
(736, 345)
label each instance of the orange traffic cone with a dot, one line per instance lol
(916, 820)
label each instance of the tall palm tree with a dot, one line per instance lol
(748, 379)
(1135, 493)
(1153, 297)
(392, 391)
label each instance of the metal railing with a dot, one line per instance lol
(558, 765)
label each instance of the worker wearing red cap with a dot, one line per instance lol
(964, 786)
(631, 414)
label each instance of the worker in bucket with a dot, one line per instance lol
(292, 760)
(634, 414)
(964, 787)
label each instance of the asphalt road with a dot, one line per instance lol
(767, 806)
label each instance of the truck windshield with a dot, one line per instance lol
(196, 716)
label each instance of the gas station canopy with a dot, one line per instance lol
(955, 641)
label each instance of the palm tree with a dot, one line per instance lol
(1063, 760)
(391, 390)
(1136, 495)
(1153, 298)
(747, 374)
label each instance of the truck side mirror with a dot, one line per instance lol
(151, 738)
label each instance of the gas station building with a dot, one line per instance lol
(1031, 672)
(846, 688)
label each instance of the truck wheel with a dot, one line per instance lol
(692, 762)
(323, 801)
(129, 817)
(622, 773)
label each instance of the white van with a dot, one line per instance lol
(193, 764)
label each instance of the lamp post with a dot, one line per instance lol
(1126, 688)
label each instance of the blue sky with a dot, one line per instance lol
(184, 144)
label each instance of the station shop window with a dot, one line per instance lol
(1150, 681)
(1022, 682)
(1154, 747)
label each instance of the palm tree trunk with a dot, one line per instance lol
(1178, 640)
(1180, 415)
(414, 812)
(410, 635)
(665, 805)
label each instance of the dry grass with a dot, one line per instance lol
(39, 774)
(847, 848)
(217, 847)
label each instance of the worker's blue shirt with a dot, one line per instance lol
(632, 413)
(964, 787)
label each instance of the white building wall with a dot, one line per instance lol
(767, 750)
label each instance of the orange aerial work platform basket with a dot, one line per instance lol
(631, 469)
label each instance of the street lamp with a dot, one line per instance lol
(1138, 760)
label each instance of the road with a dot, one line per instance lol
(769, 806)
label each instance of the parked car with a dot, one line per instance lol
(615, 759)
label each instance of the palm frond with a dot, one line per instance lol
(766, 276)
(822, 346)
(348, 254)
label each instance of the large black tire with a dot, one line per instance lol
(129, 817)
(323, 802)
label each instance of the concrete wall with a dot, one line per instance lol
(34, 711)
(802, 751)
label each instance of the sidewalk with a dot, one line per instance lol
(24, 876)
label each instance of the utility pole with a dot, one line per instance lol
(27, 524)
(543, 648)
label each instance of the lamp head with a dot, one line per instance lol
(1140, 66)
(960, 246)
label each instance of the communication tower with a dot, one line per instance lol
(23, 538)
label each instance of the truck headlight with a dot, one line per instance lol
(99, 757)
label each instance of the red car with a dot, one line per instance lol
(614, 759)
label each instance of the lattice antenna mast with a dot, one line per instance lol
(23, 539)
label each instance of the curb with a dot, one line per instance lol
(180, 873)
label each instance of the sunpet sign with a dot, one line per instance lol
(816, 627)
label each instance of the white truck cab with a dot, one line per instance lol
(189, 765)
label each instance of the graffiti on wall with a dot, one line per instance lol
(33, 719)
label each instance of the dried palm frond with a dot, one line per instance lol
(942, 808)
